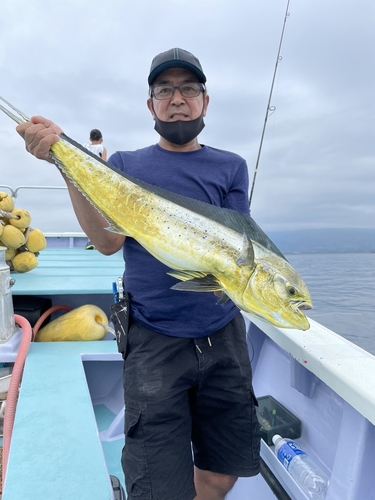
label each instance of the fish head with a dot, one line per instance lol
(277, 294)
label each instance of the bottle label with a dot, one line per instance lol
(287, 452)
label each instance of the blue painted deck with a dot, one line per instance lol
(70, 271)
(56, 451)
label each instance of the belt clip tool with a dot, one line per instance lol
(120, 315)
(118, 290)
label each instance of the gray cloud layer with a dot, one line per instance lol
(85, 66)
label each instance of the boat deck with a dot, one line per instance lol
(56, 444)
(70, 271)
(56, 417)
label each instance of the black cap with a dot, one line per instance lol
(176, 58)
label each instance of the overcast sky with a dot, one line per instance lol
(84, 64)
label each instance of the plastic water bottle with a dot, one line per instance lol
(310, 478)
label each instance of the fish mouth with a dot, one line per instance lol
(300, 321)
(300, 305)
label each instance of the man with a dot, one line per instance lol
(190, 420)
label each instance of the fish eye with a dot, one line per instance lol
(291, 290)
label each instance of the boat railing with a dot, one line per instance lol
(14, 192)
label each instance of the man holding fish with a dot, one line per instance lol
(190, 422)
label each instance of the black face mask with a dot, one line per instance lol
(179, 132)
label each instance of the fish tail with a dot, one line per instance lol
(22, 118)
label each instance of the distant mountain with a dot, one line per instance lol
(336, 240)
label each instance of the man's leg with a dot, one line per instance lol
(211, 485)
(225, 430)
(157, 458)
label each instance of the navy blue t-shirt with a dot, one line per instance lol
(207, 174)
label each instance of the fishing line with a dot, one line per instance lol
(270, 109)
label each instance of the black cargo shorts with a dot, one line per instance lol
(188, 402)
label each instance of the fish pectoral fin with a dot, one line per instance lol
(117, 229)
(186, 275)
(197, 282)
(246, 257)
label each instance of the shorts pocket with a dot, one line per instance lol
(134, 459)
(132, 419)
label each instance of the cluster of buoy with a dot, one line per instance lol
(22, 242)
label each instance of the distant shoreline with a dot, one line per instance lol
(324, 240)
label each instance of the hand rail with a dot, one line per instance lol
(15, 191)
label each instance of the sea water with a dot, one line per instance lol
(342, 287)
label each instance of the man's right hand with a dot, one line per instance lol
(39, 134)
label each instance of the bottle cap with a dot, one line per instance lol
(276, 438)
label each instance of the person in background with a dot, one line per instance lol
(190, 420)
(96, 147)
(96, 144)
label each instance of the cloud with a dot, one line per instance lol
(85, 66)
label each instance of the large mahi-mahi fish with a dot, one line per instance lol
(208, 248)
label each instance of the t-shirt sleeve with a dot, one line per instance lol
(238, 195)
(116, 161)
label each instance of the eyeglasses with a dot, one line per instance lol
(163, 92)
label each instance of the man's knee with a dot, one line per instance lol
(221, 483)
(224, 482)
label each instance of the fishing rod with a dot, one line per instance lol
(270, 109)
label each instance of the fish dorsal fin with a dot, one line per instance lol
(246, 257)
(239, 222)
